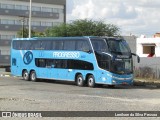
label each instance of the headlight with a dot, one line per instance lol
(114, 81)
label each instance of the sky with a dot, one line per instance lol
(133, 17)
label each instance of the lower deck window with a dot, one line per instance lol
(64, 64)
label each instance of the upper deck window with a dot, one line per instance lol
(99, 45)
(82, 45)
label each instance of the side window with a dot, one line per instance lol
(50, 62)
(26, 45)
(40, 62)
(59, 45)
(53, 45)
(95, 45)
(69, 45)
(70, 64)
(46, 45)
(81, 65)
(88, 66)
(17, 45)
(64, 64)
(100, 45)
(35, 45)
(103, 61)
(61, 64)
(83, 46)
(104, 64)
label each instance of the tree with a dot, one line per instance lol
(83, 28)
(56, 31)
(24, 33)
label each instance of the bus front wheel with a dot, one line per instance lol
(25, 75)
(91, 81)
(80, 80)
(33, 76)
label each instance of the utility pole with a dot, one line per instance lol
(23, 20)
(30, 18)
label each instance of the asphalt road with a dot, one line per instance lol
(19, 95)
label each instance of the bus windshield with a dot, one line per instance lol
(118, 46)
(123, 66)
(109, 48)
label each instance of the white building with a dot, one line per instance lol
(148, 47)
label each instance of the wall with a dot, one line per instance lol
(149, 67)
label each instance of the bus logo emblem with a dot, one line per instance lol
(28, 57)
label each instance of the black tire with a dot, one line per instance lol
(111, 86)
(80, 80)
(25, 75)
(91, 81)
(33, 76)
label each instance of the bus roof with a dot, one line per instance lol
(113, 38)
(56, 38)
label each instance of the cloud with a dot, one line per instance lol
(138, 16)
(84, 11)
(102, 9)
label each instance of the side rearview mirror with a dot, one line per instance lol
(138, 58)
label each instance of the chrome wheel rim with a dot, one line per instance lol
(90, 81)
(25, 76)
(79, 80)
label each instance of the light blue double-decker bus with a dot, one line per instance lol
(85, 60)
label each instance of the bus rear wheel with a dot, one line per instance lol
(25, 75)
(80, 80)
(91, 81)
(33, 76)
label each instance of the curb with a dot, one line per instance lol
(5, 75)
(146, 83)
